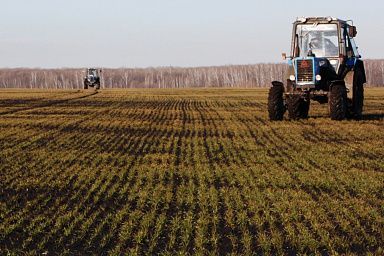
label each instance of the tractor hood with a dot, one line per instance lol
(309, 72)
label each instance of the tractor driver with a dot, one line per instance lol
(322, 47)
(92, 72)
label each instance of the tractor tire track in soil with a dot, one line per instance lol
(49, 103)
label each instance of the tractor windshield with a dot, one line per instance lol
(92, 72)
(318, 40)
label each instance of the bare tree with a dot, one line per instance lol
(246, 76)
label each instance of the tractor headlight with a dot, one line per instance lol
(292, 78)
(318, 77)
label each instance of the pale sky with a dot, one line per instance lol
(144, 33)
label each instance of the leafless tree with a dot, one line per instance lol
(239, 76)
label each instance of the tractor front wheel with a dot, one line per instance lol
(276, 107)
(298, 107)
(338, 101)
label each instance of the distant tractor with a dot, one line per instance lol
(325, 66)
(92, 78)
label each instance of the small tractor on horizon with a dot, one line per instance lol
(92, 78)
(324, 65)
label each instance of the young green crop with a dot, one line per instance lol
(194, 171)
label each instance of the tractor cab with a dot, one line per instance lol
(92, 73)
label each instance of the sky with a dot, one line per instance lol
(152, 33)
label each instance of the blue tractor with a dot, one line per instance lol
(325, 66)
(92, 78)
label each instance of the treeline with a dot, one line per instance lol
(246, 76)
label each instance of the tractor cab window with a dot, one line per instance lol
(92, 72)
(318, 40)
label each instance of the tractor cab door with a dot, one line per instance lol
(351, 51)
(354, 48)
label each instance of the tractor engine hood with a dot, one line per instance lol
(311, 71)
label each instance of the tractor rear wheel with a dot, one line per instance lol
(97, 83)
(298, 107)
(338, 101)
(276, 108)
(358, 95)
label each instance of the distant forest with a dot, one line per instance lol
(245, 76)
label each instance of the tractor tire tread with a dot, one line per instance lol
(338, 102)
(276, 107)
(298, 107)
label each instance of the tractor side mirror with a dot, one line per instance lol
(352, 32)
(284, 55)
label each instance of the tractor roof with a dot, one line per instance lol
(321, 20)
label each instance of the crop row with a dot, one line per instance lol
(187, 172)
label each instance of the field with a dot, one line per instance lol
(143, 172)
